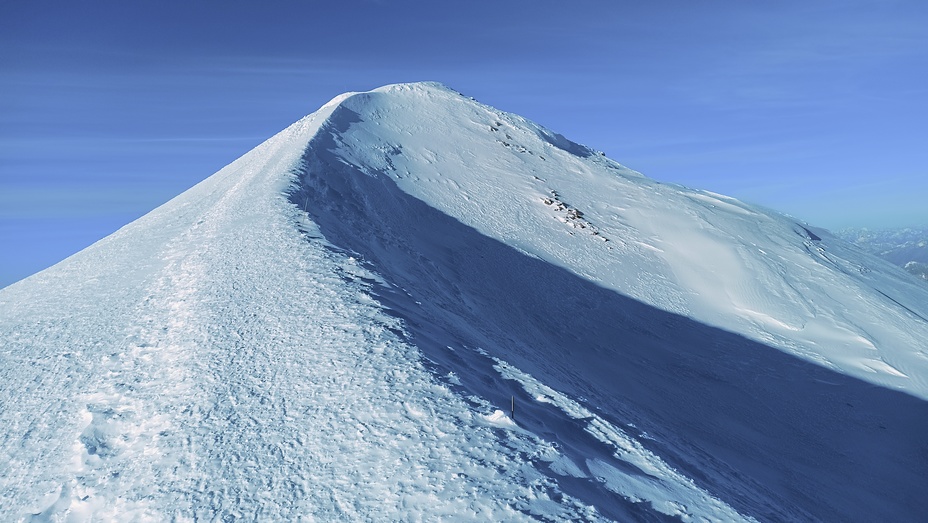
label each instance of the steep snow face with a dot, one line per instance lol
(735, 345)
(412, 306)
(694, 253)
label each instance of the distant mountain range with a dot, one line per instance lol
(905, 247)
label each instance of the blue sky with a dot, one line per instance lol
(109, 109)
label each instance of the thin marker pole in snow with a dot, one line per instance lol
(512, 407)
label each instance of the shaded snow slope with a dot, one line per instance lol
(339, 324)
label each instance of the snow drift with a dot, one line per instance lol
(409, 305)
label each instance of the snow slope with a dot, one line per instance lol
(412, 306)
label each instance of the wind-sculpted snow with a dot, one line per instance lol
(411, 306)
(209, 362)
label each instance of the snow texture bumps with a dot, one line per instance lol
(334, 326)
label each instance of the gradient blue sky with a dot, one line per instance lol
(108, 109)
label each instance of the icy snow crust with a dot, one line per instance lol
(337, 325)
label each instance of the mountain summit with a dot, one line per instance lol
(412, 306)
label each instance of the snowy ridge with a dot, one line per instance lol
(250, 386)
(695, 253)
(337, 326)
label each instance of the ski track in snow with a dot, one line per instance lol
(264, 384)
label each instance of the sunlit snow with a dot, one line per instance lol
(412, 306)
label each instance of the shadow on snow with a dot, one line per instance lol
(774, 436)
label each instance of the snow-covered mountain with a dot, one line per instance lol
(412, 306)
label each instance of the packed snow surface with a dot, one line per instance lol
(412, 306)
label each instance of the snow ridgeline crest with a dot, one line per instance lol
(685, 239)
(334, 326)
